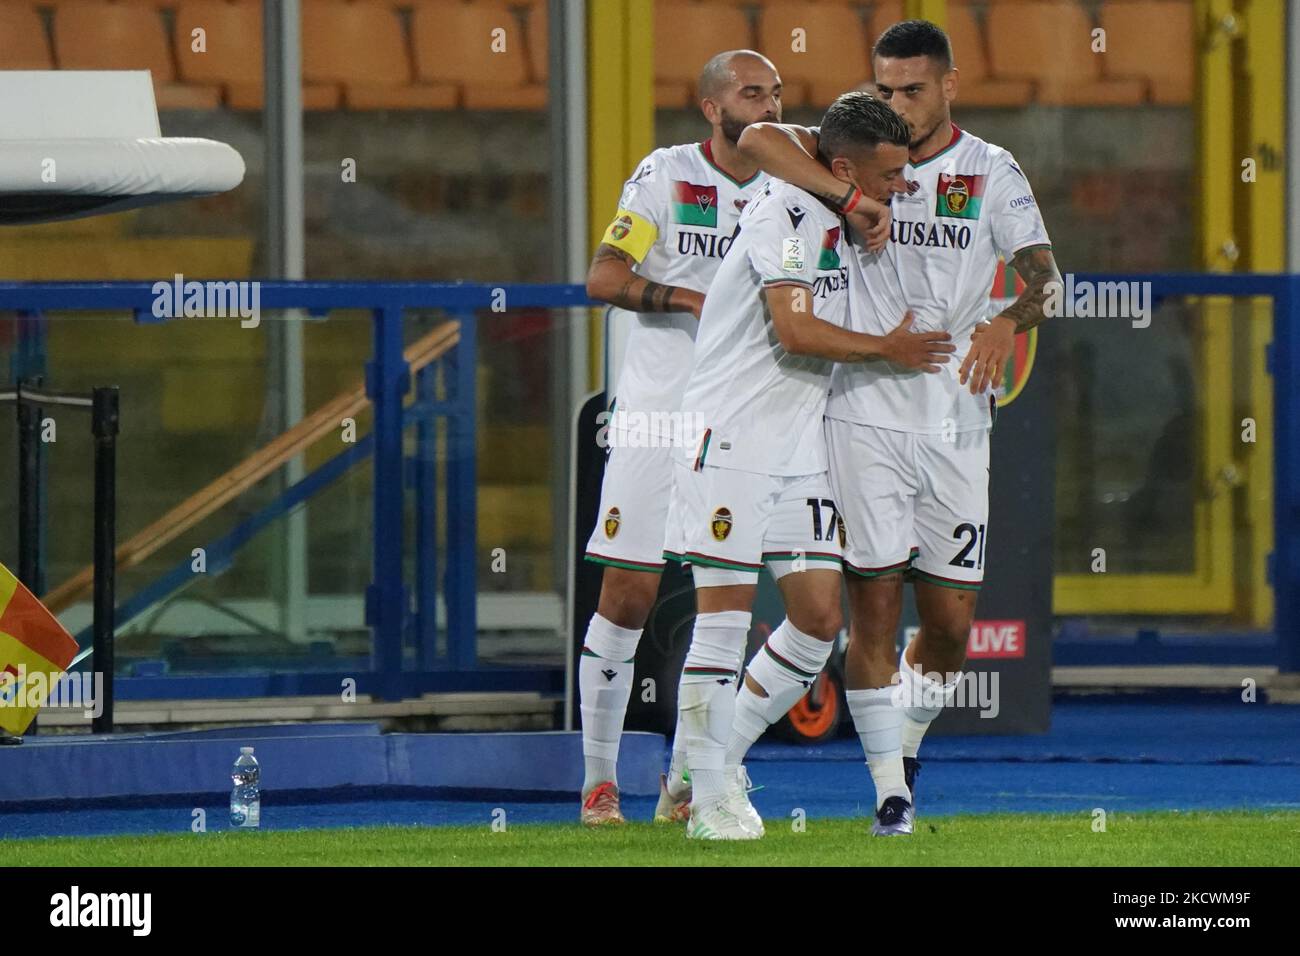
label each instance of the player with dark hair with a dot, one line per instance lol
(752, 490)
(909, 453)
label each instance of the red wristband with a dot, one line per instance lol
(853, 201)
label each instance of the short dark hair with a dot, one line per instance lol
(858, 120)
(915, 38)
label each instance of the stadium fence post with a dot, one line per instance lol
(460, 365)
(1284, 363)
(387, 379)
(425, 479)
(104, 427)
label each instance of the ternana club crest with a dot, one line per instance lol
(721, 524)
(613, 518)
(958, 195)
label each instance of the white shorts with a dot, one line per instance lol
(911, 502)
(728, 524)
(629, 530)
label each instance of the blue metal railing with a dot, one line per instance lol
(388, 380)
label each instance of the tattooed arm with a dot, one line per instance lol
(611, 279)
(992, 343)
(1038, 268)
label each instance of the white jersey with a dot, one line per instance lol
(969, 204)
(754, 406)
(676, 217)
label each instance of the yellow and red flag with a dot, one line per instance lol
(32, 641)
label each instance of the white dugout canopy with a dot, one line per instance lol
(77, 143)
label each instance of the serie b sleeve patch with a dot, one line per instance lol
(792, 254)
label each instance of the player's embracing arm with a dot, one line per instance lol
(1020, 235)
(628, 239)
(788, 152)
(784, 259)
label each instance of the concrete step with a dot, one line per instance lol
(451, 711)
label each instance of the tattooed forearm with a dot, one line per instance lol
(1037, 268)
(612, 280)
(655, 297)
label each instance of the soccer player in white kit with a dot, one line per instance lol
(752, 489)
(909, 453)
(674, 222)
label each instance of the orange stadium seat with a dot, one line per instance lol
(362, 48)
(687, 35)
(233, 55)
(99, 36)
(883, 16)
(537, 39)
(23, 44)
(1162, 56)
(970, 53)
(835, 55)
(454, 44)
(1050, 43)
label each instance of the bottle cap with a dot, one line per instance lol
(245, 750)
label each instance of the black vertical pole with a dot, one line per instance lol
(104, 422)
(29, 497)
(29, 501)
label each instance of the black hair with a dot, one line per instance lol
(915, 38)
(858, 120)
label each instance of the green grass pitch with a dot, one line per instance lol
(1130, 839)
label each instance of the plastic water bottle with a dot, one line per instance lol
(246, 798)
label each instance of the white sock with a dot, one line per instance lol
(878, 722)
(677, 784)
(604, 685)
(785, 666)
(923, 698)
(706, 698)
